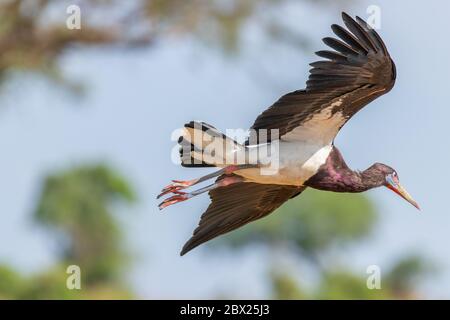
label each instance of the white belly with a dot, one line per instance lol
(297, 162)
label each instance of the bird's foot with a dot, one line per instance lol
(177, 185)
(179, 196)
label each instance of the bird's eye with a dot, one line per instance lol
(395, 176)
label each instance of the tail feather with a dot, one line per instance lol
(202, 145)
(188, 160)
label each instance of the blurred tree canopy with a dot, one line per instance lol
(317, 228)
(34, 35)
(77, 204)
(76, 207)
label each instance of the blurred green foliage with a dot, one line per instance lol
(76, 207)
(33, 33)
(337, 283)
(343, 284)
(406, 273)
(11, 283)
(77, 204)
(284, 286)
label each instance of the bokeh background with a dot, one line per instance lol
(86, 118)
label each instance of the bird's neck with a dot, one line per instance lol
(336, 176)
(369, 178)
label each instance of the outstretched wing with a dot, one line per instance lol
(236, 205)
(358, 71)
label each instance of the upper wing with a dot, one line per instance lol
(238, 204)
(357, 72)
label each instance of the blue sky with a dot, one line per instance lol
(136, 99)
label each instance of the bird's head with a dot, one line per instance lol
(384, 175)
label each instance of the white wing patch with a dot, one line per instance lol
(303, 150)
(297, 163)
(321, 128)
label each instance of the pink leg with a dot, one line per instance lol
(178, 185)
(181, 196)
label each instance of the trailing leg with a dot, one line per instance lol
(183, 196)
(178, 185)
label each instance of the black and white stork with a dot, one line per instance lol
(357, 71)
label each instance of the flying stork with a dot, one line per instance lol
(357, 71)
